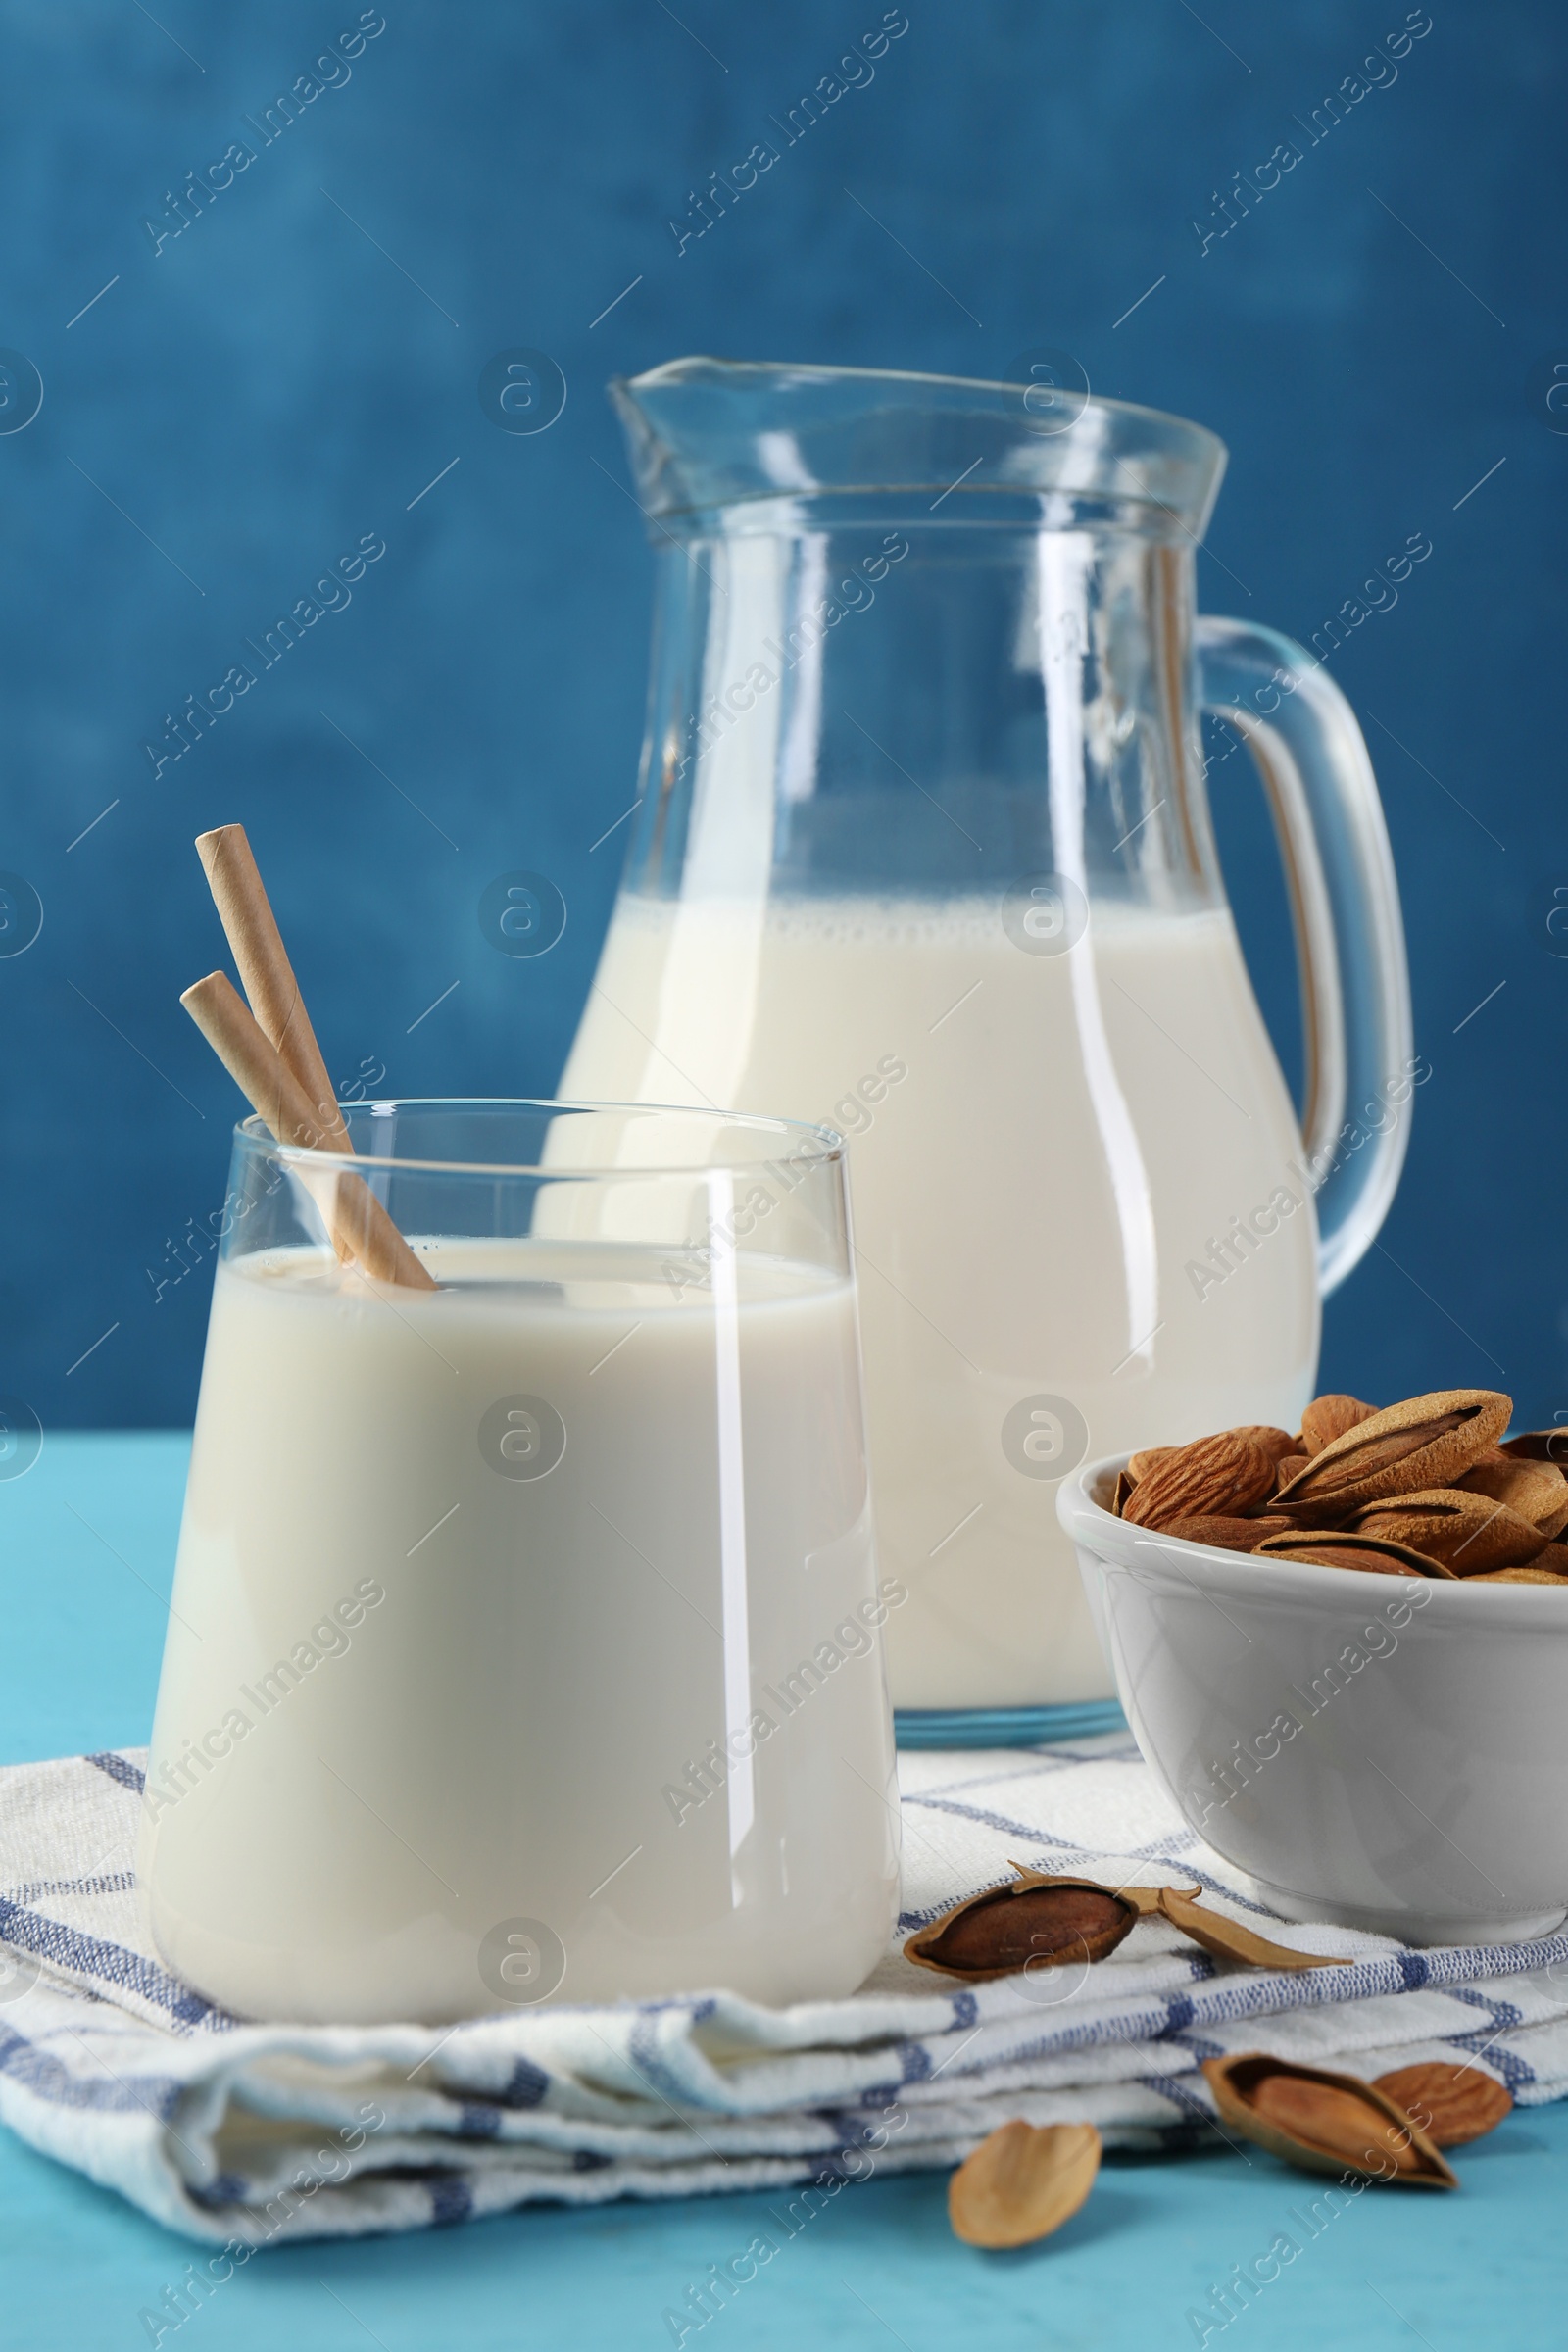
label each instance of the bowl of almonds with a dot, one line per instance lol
(1344, 1651)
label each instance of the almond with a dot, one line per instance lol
(1424, 1443)
(1538, 1490)
(1468, 1532)
(1329, 1417)
(1022, 2182)
(1276, 1443)
(1450, 2104)
(1033, 1922)
(1324, 2122)
(1214, 1477)
(1230, 1535)
(1427, 1487)
(1328, 1547)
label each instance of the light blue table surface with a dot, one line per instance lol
(86, 1549)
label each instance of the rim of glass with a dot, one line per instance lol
(668, 373)
(255, 1132)
(695, 441)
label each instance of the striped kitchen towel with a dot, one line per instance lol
(246, 2135)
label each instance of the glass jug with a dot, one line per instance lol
(922, 852)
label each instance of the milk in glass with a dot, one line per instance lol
(549, 1597)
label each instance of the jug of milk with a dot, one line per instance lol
(922, 850)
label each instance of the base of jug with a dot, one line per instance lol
(1005, 1727)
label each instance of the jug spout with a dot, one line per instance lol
(708, 433)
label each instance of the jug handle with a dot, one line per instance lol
(1344, 902)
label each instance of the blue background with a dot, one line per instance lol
(232, 414)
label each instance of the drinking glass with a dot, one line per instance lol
(525, 1639)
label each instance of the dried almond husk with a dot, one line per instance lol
(1230, 1535)
(1125, 1487)
(1022, 2182)
(1450, 2104)
(1468, 1532)
(1288, 1467)
(1374, 1556)
(1520, 1576)
(1228, 1939)
(1538, 1445)
(1548, 1567)
(1220, 1476)
(1144, 1899)
(1033, 1922)
(1406, 1448)
(1538, 1490)
(1150, 1457)
(1324, 2122)
(1329, 1417)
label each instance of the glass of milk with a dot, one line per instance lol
(525, 1639)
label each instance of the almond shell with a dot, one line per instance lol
(1331, 1547)
(1022, 2182)
(1234, 2081)
(1467, 1532)
(1422, 1442)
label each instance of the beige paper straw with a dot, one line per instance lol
(353, 1215)
(266, 972)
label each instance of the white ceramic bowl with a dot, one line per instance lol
(1380, 1752)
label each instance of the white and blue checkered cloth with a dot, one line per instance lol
(252, 2135)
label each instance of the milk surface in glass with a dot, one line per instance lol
(1050, 1156)
(547, 1597)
